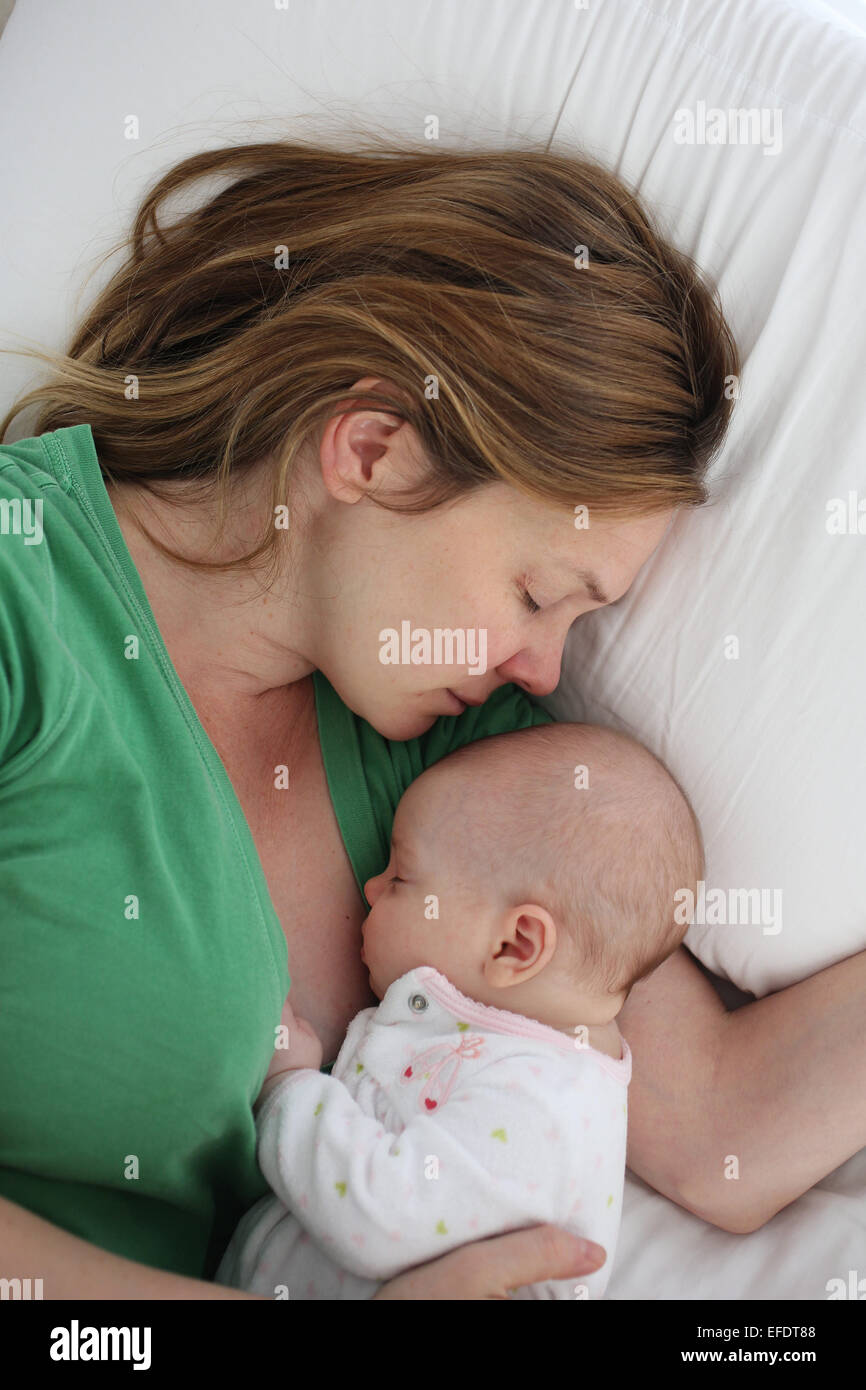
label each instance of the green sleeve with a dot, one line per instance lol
(31, 694)
(367, 773)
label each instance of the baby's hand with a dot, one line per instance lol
(296, 1045)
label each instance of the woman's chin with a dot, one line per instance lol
(404, 719)
(400, 727)
(399, 715)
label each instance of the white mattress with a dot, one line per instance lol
(771, 750)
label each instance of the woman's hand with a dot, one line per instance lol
(490, 1268)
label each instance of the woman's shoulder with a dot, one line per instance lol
(29, 490)
(27, 467)
(33, 683)
(50, 552)
(25, 555)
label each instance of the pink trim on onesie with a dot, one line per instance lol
(504, 1021)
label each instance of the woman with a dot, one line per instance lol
(348, 392)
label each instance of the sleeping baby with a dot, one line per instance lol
(532, 882)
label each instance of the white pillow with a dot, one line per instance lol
(739, 656)
(768, 745)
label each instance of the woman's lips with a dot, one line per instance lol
(466, 704)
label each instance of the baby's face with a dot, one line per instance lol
(421, 914)
(436, 903)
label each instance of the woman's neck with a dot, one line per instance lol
(227, 638)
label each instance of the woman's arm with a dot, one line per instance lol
(778, 1083)
(73, 1268)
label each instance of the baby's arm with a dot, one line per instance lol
(296, 1046)
(494, 1158)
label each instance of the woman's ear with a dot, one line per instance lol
(354, 443)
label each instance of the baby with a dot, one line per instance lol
(531, 884)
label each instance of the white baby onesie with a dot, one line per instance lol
(443, 1121)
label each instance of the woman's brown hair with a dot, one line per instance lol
(538, 327)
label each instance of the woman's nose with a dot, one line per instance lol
(536, 671)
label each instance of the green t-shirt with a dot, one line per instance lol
(143, 968)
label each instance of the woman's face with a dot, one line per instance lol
(380, 582)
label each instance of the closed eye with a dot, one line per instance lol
(530, 601)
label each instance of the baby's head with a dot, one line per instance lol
(537, 870)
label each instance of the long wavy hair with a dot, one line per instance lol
(539, 329)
